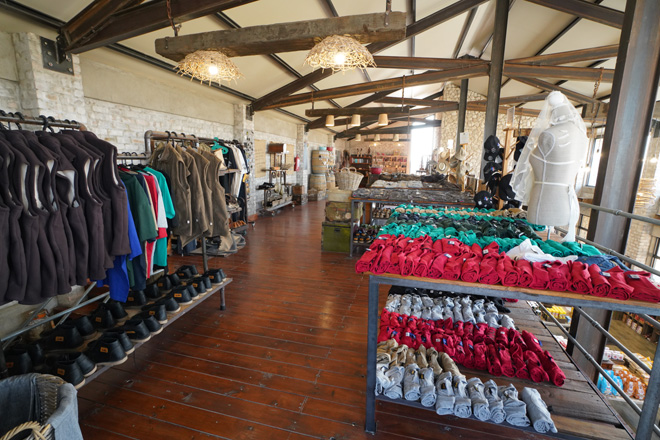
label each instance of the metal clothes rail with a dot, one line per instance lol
(18, 119)
(648, 412)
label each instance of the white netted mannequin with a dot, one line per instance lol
(544, 178)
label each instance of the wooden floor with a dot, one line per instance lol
(286, 360)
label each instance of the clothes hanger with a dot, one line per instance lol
(216, 145)
(46, 124)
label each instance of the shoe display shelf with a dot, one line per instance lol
(275, 198)
(579, 410)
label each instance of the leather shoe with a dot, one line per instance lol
(136, 331)
(102, 317)
(70, 371)
(152, 291)
(18, 360)
(164, 283)
(181, 295)
(122, 337)
(107, 351)
(215, 275)
(156, 310)
(117, 310)
(150, 322)
(64, 337)
(84, 326)
(171, 306)
(136, 298)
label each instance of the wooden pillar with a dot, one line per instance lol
(460, 126)
(496, 65)
(628, 123)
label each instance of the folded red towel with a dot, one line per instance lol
(554, 372)
(453, 268)
(519, 364)
(479, 333)
(470, 269)
(452, 246)
(525, 270)
(494, 365)
(502, 337)
(507, 272)
(383, 261)
(541, 279)
(459, 328)
(645, 290)
(411, 260)
(536, 371)
(601, 284)
(619, 288)
(559, 276)
(487, 271)
(365, 261)
(459, 355)
(580, 278)
(506, 361)
(531, 343)
(468, 347)
(480, 354)
(422, 268)
(437, 268)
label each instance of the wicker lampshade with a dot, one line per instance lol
(329, 121)
(382, 119)
(339, 53)
(208, 66)
(356, 120)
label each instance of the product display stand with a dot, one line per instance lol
(274, 200)
(564, 298)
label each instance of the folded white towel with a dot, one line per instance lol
(411, 386)
(463, 404)
(479, 403)
(445, 398)
(515, 410)
(427, 387)
(538, 411)
(494, 402)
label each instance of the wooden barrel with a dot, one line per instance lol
(317, 181)
(319, 161)
(330, 180)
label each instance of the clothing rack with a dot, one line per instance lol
(18, 119)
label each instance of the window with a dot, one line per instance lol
(421, 147)
(594, 161)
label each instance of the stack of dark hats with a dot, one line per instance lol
(506, 191)
(492, 175)
(520, 144)
(483, 200)
(492, 150)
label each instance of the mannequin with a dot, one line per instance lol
(546, 173)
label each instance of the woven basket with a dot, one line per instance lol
(48, 387)
(348, 179)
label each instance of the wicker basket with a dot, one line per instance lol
(45, 393)
(348, 179)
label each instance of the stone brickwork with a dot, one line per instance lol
(474, 126)
(10, 100)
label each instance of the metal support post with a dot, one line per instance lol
(462, 110)
(372, 336)
(496, 66)
(628, 123)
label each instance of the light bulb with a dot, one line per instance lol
(339, 58)
(213, 69)
(654, 160)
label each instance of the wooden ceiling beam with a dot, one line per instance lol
(92, 19)
(583, 9)
(571, 56)
(151, 16)
(544, 85)
(383, 85)
(285, 37)
(558, 72)
(424, 63)
(409, 101)
(388, 130)
(416, 28)
(521, 99)
(479, 107)
(318, 112)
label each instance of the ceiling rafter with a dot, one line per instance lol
(151, 16)
(571, 56)
(390, 62)
(558, 72)
(544, 85)
(583, 9)
(422, 25)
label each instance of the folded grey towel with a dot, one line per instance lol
(411, 386)
(490, 307)
(468, 316)
(463, 404)
(393, 303)
(427, 387)
(381, 380)
(538, 411)
(480, 317)
(515, 410)
(426, 313)
(436, 313)
(427, 302)
(466, 301)
(479, 403)
(448, 301)
(478, 304)
(492, 319)
(448, 312)
(405, 310)
(458, 313)
(394, 379)
(445, 398)
(507, 322)
(494, 402)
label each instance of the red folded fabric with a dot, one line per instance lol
(468, 329)
(385, 333)
(453, 269)
(645, 290)
(411, 323)
(601, 284)
(507, 272)
(519, 364)
(480, 354)
(494, 365)
(502, 337)
(437, 246)
(452, 246)
(401, 242)
(492, 248)
(531, 342)
(525, 270)
(437, 268)
(422, 268)
(541, 279)
(410, 339)
(449, 345)
(385, 317)
(470, 269)
(505, 361)
(619, 289)
(458, 328)
(397, 320)
(364, 263)
(580, 278)
(559, 276)
(395, 267)
(489, 337)
(515, 338)
(459, 355)
(554, 372)
(410, 262)
(487, 271)
(479, 333)
(425, 338)
(447, 324)
(468, 348)
(383, 261)
(536, 371)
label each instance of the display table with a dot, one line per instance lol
(579, 410)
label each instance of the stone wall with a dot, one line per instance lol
(474, 126)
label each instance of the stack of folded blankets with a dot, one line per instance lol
(555, 267)
(432, 378)
(498, 350)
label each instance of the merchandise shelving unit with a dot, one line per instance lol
(362, 163)
(393, 164)
(541, 296)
